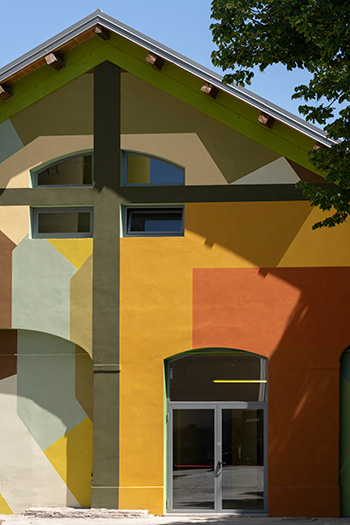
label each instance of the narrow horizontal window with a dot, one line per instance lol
(61, 222)
(143, 170)
(154, 221)
(72, 171)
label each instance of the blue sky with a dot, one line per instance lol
(182, 25)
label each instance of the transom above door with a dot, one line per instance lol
(217, 447)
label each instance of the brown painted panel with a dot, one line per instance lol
(310, 501)
(6, 247)
(298, 317)
(8, 351)
(306, 175)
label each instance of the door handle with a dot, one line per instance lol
(219, 464)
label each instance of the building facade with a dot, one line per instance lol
(171, 327)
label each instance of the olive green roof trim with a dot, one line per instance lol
(98, 17)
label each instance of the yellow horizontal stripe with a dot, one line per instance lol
(239, 381)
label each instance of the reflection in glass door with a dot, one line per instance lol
(217, 458)
(242, 460)
(193, 459)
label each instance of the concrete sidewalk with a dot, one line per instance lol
(101, 518)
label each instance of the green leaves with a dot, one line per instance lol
(311, 34)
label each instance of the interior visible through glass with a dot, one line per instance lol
(74, 171)
(242, 459)
(197, 377)
(193, 459)
(64, 222)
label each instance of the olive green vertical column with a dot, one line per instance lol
(104, 492)
(344, 471)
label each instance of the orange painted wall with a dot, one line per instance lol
(298, 317)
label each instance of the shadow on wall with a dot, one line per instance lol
(298, 318)
(45, 407)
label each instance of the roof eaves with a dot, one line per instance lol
(98, 17)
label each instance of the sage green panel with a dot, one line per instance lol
(10, 142)
(344, 452)
(46, 400)
(67, 111)
(147, 109)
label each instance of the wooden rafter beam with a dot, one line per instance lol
(266, 120)
(101, 32)
(5, 92)
(210, 90)
(156, 61)
(55, 61)
(318, 145)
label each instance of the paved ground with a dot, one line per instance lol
(171, 520)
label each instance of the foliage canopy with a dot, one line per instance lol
(310, 34)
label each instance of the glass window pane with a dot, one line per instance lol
(242, 459)
(193, 459)
(233, 376)
(142, 169)
(154, 221)
(74, 171)
(60, 223)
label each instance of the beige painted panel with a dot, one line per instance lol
(14, 172)
(185, 149)
(14, 222)
(277, 172)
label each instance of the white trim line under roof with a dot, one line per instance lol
(98, 17)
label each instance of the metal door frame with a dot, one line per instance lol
(217, 407)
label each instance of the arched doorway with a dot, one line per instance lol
(217, 432)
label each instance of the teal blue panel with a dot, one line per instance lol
(46, 400)
(41, 288)
(10, 142)
(344, 449)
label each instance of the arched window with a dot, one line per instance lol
(144, 170)
(75, 170)
(218, 376)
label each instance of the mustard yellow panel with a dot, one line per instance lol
(75, 250)
(156, 306)
(4, 507)
(71, 456)
(84, 380)
(138, 169)
(149, 498)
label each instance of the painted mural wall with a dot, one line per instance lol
(246, 275)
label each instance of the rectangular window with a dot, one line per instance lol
(61, 222)
(154, 221)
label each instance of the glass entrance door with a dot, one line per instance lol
(242, 469)
(217, 456)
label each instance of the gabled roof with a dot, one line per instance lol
(84, 29)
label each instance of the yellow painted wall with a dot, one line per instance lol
(156, 310)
